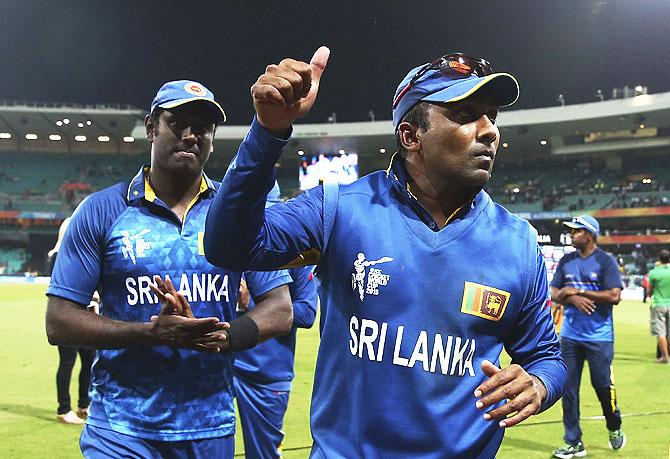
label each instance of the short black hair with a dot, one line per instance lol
(155, 115)
(416, 116)
(664, 256)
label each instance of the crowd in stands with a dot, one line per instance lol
(58, 182)
(13, 260)
(583, 185)
(623, 200)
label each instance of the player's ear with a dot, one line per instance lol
(211, 149)
(149, 127)
(409, 138)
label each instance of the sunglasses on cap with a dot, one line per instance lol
(456, 65)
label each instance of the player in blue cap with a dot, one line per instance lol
(162, 380)
(588, 283)
(424, 279)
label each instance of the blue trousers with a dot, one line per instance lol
(261, 413)
(96, 443)
(599, 355)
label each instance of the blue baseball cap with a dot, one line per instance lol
(274, 196)
(586, 222)
(175, 93)
(438, 86)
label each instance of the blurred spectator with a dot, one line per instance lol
(67, 357)
(659, 291)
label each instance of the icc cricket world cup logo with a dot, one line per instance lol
(375, 277)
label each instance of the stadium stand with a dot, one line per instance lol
(12, 260)
(609, 159)
(57, 181)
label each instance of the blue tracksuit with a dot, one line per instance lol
(588, 337)
(263, 375)
(407, 312)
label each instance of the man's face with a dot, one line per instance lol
(580, 237)
(182, 139)
(460, 144)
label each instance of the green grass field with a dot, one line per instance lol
(28, 394)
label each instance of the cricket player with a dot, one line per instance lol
(162, 381)
(410, 367)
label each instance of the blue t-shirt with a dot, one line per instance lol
(270, 363)
(118, 239)
(598, 271)
(407, 313)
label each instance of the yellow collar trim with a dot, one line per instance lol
(150, 194)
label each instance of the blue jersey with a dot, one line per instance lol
(407, 313)
(271, 363)
(598, 271)
(118, 239)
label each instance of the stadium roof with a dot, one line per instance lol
(634, 123)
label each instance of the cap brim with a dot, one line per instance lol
(502, 86)
(216, 108)
(572, 225)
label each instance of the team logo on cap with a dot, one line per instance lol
(484, 301)
(195, 89)
(460, 67)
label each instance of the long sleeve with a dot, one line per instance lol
(303, 296)
(240, 233)
(534, 344)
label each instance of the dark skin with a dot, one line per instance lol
(181, 143)
(585, 243)
(272, 318)
(448, 164)
(451, 161)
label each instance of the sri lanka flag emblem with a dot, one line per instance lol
(484, 301)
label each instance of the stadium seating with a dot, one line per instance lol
(12, 260)
(38, 181)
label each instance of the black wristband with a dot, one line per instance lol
(242, 334)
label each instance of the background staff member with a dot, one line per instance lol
(588, 283)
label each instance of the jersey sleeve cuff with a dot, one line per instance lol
(264, 145)
(273, 284)
(69, 295)
(554, 383)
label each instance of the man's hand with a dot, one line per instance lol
(524, 393)
(287, 91)
(565, 292)
(94, 304)
(176, 326)
(582, 303)
(243, 297)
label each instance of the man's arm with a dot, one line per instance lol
(584, 300)
(650, 287)
(68, 323)
(239, 233)
(273, 313)
(303, 296)
(536, 378)
(569, 294)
